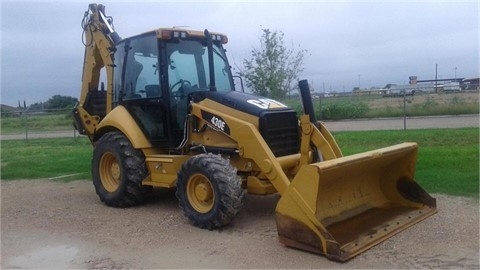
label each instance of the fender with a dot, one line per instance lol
(120, 119)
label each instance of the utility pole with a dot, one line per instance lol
(436, 83)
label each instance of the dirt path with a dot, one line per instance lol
(46, 224)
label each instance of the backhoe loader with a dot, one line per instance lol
(169, 117)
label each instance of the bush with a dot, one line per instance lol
(343, 110)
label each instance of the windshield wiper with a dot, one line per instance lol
(215, 50)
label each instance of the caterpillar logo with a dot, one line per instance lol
(266, 103)
(216, 121)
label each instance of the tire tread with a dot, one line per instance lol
(230, 192)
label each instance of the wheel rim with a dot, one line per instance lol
(200, 193)
(110, 173)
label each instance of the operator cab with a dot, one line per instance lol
(154, 74)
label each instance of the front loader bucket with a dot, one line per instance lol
(343, 206)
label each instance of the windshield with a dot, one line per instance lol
(188, 66)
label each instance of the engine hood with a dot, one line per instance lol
(248, 103)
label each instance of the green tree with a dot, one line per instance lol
(60, 102)
(273, 67)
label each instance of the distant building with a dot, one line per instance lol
(470, 84)
(451, 87)
(372, 91)
(448, 85)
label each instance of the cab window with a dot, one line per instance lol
(141, 73)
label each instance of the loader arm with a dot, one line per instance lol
(252, 146)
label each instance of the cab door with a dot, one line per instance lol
(138, 86)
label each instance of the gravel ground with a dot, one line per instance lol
(47, 224)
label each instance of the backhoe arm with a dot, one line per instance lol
(99, 41)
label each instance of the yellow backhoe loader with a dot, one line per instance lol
(170, 117)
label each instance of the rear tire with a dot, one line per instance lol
(118, 171)
(209, 191)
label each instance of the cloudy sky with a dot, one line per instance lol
(349, 43)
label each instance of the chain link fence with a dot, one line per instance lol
(392, 103)
(20, 123)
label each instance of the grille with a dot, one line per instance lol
(280, 131)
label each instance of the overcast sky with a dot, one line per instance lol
(349, 43)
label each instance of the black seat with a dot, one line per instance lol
(152, 90)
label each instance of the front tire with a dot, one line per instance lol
(209, 191)
(118, 171)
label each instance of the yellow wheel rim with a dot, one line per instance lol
(200, 193)
(110, 173)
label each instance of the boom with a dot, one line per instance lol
(99, 40)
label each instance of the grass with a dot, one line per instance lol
(64, 159)
(375, 106)
(425, 109)
(448, 160)
(37, 122)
